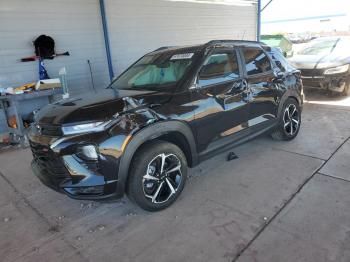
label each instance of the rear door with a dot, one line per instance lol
(264, 94)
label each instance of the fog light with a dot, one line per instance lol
(88, 152)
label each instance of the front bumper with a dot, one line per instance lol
(71, 176)
(65, 185)
(335, 83)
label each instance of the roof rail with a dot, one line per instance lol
(163, 48)
(213, 42)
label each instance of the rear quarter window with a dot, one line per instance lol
(280, 61)
(256, 61)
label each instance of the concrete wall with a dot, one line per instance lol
(137, 26)
(74, 24)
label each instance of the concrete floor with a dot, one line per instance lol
(280, 201)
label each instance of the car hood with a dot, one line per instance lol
(319, 61)
(98, 106)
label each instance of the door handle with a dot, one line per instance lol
(245, 87)
(238, 87)
(247, 93)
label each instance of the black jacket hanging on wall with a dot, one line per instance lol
(44, 47)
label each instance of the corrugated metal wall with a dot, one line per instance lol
(135, 27)
(74, 24)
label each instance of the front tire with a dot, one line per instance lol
(157, 176)
(289, 124)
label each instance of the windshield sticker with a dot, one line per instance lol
(182, 56)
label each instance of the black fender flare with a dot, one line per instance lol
(290, 93)
(149, 133)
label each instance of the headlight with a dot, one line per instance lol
(337, 70)
(84, 128)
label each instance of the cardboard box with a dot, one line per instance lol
(48, 84)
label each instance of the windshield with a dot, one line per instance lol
(156, 71)
(327, 46)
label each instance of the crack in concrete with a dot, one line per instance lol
(26, 201)
(335, 177)
(262, 229)
(299, 154)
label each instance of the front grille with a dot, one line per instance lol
(312, 77)
(48, 161)
(312, 82)
(312, 72)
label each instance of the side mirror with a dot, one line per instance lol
(279, 76)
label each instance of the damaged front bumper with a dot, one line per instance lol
(65, 172)
(335, 83)
(91, 187)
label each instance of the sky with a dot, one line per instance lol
(284, 9)
(295, 9)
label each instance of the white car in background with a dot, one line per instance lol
(324, 64)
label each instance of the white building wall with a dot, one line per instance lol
(140, 26)
(75, 26)
(135, 27)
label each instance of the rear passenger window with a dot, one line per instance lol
(217, 68)
(256, 61)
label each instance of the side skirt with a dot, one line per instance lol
(235, 140)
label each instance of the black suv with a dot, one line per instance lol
(172, 109)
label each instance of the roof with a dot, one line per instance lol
(212, 43)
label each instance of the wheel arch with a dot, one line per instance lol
(290, 94)
(176, 132)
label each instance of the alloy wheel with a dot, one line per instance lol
(291, 120)
(162, 179)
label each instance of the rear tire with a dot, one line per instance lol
(157, 176)
(289, 124)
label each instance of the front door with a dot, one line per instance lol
(220, 99)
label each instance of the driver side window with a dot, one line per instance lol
(219, 67)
